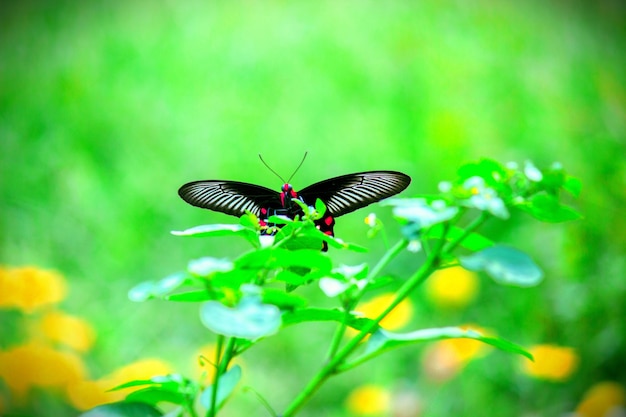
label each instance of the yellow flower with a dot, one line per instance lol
(68, 330)
(84, 395)
(452, 287)
(33, 365)
(445, 358)
(397, 318)
(368, 400)
(29, 288)
(142, 369)
(601, 399)
(554, 363)
(204, 362)
(87, 394)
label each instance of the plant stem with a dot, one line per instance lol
(382, 263)
(335, 363)
(387, 257)
(223, 358)
(450, 246)
(212, 411)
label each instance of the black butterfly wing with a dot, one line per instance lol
(354, 191)
(230, 197)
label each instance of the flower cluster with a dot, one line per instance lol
(49, 356)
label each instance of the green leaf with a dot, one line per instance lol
(171, 382)
(215, 230)
(274, 258)
(505, 265)
(190, 296)
(292, 278)
(123, 409)
(154, 395)
(158, 289)
(573, 186)
(473, 241)
(320, 314)
(275, 219)
(383, 340)
(233, 279)
(249, 221)
(250, 319)
(283, 300)
(547, 208)
(225, 387)
(320, 207)
(491, 171)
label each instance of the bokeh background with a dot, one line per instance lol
(106, 108)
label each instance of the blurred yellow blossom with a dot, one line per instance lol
(141, 369)
(203, 361)
(84, 395)
(452, 287)
(602, 400)
(87, 394)
(34, 365)
(368, 400)
(29, 288)
(444, 359)
(555, 363)
(68, 330)
(397, 318)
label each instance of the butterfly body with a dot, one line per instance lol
(341, 195)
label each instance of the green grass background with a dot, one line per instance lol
(106, 108)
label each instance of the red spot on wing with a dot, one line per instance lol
(263, 211)
(328, 220)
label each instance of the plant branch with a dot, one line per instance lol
(382, 263)
(335, 363)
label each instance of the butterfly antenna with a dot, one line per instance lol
(275, 173)
(301, 162)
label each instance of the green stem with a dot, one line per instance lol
(478, 221)
(382, 263)
(212, 411)
(222, 359)
(387, 257)
(335, 363)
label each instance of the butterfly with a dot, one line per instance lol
(341, 195)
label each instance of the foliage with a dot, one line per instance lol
(254, 296)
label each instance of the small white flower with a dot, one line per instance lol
(532, 172)
(350, 270)
(445, 186)
(370, 220)
(333, 287)
(474, 184)
(420, 212)
(512, 165)
(207, 265)
(484, 198)
(414, 246)
(438, 205)
(266, 240)
(498, 208)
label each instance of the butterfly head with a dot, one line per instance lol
(287, 194)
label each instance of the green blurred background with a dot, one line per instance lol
(106, 108)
